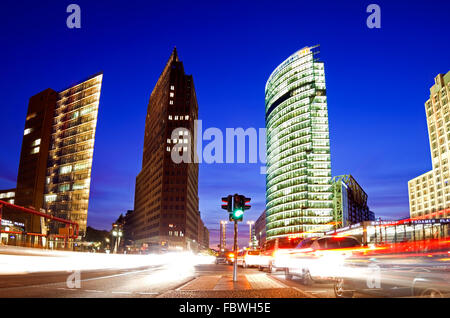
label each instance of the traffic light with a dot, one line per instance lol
(227, 203)
(245, 201)
(238, 208)
(236, 205)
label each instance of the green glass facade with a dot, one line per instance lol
(299, 198)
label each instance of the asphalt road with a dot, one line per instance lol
(160, 281)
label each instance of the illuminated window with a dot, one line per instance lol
(168, 141)
(185, 141)
(78, 186)
(171, 102)
(81, 166)
(31, 116)
(176, 117)
(172, 87)
(65, 169)
(184, 148)
(170, 117)
(186, 133)
(172, 94)
(27, 131)
(181, 133)
(35, 150)
(37, 142)
(50, 198)
(168, 148)
(64, 187)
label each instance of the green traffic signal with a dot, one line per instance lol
(238, 214)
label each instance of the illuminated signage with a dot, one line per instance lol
(10, 223)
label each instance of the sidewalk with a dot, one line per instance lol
(222, 286)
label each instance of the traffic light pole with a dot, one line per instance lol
(235, 251)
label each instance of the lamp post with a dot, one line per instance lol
(250, 223)
(117, 233)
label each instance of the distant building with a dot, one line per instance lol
(349, 202)
(166, 197)
(260, 229)
(429, 193)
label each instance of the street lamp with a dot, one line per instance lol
(117, 233)
(250, 223)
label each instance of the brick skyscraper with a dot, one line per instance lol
(166, 199)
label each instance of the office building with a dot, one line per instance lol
(349, 202)
(71, 150)
(56, 154)
(166, 196)
(298, 182)
(429, 193)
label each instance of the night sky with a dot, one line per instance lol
(377, 83)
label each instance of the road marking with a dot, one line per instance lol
(304, 293)
(316, 291)
(117, 275)
(94, 291)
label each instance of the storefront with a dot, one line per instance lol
(386, 232)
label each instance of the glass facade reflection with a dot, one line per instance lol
(298, 181)
(71, 152)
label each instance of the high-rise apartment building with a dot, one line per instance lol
(166, 196)
(429, 193)
(298, 182)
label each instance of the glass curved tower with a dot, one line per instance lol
(298, 181)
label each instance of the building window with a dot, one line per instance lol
(168, 148)
(35, 150)
(65, 169)
(172, 87)
(168, 141)
(50, 198)
(37, 142)
(171, 102)
(186, 117)
(176, 117)
(172, 94)
(27, 131)
(64, 187)
(170, 117)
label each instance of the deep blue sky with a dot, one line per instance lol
(377, 83)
